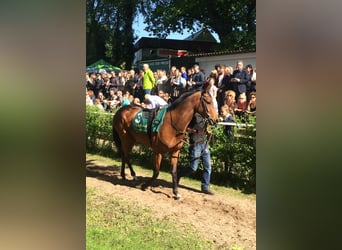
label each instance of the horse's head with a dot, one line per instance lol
(207, 109)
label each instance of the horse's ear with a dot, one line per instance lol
(206, 86)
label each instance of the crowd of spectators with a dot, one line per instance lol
(234, 91)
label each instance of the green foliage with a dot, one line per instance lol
(234, 159)
(118, 224)
(233, 21)
(99, 131)
(110, 34)
(109, 31)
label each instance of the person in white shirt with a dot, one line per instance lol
(98, 104)
(90, 97)
(213, 92)
(154, 101)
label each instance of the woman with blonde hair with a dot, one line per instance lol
(227, 115)
(213, 74)
(230, 99)
(229, 70)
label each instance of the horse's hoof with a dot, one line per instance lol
(143, 187)
(177, 196)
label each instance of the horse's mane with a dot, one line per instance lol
(181, 98)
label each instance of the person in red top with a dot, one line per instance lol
(241, 105)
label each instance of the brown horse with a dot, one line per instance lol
(170, 137)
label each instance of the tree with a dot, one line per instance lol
(96, 34)
(234, 21)
(123, 33)
(109, 31)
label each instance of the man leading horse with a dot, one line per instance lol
(171, 135)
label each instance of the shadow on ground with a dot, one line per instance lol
(112, 175)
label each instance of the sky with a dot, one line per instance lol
(139, 26)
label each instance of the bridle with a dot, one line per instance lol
(207, 117)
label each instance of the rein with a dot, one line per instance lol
(184, 131)
(177, 130)
(173, 125)
(208, 118)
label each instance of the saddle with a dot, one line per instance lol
(149, 120)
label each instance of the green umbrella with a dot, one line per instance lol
(102, 64)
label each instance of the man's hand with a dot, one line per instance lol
(191, 130)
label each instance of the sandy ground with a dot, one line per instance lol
(227, 220)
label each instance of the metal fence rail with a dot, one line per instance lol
(219, 123)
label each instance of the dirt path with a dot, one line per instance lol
(225, 219)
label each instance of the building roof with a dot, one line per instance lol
(189, 45)
(202, 35)
(219, 53)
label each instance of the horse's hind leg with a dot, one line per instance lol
(157, 160)
(127, 148)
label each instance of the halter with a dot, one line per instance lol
(208, 118)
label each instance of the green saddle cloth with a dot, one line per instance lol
(142, 119)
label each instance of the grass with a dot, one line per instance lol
(113, 223)
(165, 175)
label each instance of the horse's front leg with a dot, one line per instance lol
(123, 170)
(174, 161)
(131, 169)
(157, 157)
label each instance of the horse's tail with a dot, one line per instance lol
(117, 141)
